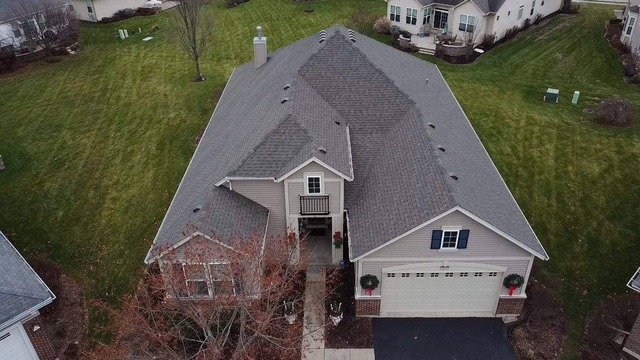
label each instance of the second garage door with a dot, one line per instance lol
(449, 293)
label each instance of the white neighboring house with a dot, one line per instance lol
(12, 30)
(456, 17)
(94, 10)
(22, 294)
(630, 32)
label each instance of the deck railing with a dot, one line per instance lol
(314, 204)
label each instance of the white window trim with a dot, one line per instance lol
(396, 11)
(444, 229)
(629, 25)
(412, 15)
(520, 12)
(306, 182)
(208, 279)
(467, 23)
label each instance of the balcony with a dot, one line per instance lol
(314, 204)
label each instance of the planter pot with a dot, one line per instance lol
(291, 318)
(335, 319)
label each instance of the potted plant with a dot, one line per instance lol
(337, 240)
(369, 283)
(289, 313)
(335, 312)
(512, 282)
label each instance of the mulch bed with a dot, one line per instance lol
(352, 332)
(618, 311)
(66, 325)
(541, 331)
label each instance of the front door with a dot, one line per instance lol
(440, 19)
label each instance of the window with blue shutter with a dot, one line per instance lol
(463, 238)
(436, 238)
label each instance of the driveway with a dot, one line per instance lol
(440, 339)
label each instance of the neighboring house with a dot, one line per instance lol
(630, 30)
(339, 132)
(22, 294)
(13, 29)
(95, 10)
(458, 17)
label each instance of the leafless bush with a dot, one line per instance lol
(615, 111)
(537, 19)
(511, 33)
(488, 41)
(382, 25)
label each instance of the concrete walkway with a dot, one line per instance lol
(313, 346)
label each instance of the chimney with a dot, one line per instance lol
(259, 48)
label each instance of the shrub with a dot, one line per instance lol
(124, 14)
(7, 61)
(511, 33)
(146, 11)
(50, 274)
(527, 24)
(620, 47)
(488, 41)
(362, 20)
(628, 69)
(537, 19)
(613, 30)
(615, 112)
(382, 25)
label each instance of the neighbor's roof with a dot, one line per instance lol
(21, 289)
(487, 6)
(400, 177)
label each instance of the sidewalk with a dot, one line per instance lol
(313, 346)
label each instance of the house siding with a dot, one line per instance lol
(482, 242)
(470, 9)
(507, 21)
(268, 194)
(103, 8)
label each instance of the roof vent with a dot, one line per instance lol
(322, 150)
(337, 122)
(431, 125)
(453, 176)
(352, 35)
(284, 100)
(427, 81)
(197, 209)
(441, 148)
(286, 87)
(322, 36)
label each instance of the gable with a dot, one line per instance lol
(482, 242)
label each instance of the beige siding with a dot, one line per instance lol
(295, 190)
(483, 242)
(508, 13)
(313, 167)
(268, 194)
(375, 268)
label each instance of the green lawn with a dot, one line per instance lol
(95, 145)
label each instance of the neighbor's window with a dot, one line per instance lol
(394, 13)
(221, 280)
(520, 11)
(426, 19)
(449, 239)
(542, 3)
(533, 6)
(196, 276)
(71, 8)
(467, 23)
(313, 185)
(632, 22)
(412, 16)
(89, 9)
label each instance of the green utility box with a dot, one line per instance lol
(552, 95)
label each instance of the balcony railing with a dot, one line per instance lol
(314, 204)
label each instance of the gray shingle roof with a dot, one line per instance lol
(400, 178)
(21, 289)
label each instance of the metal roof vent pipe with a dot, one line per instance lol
(259, 48)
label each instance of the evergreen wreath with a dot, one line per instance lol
(513, 280)
(369, 281)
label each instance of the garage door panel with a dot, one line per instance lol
(15, 345)
(426, 296)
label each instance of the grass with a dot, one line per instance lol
(95, 145)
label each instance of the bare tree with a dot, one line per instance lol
(193, 28)
(45, 23)
(236, 313)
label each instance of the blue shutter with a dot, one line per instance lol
(436, 239)
(463, 238)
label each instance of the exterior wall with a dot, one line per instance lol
(268, 194)
(404, 4)
(470, 9)
(103, 8)
(507, 16)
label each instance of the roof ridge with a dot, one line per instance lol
(5, 292)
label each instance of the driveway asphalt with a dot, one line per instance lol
(441, 339)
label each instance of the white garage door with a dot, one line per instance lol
(15, 345)
(450, 293)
